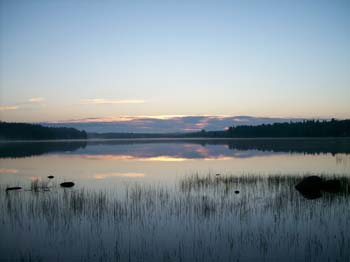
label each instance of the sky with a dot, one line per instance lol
(71, 61)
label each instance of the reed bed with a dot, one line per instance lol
(199, 219)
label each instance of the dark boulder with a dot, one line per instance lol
(311, 194)
(50, 177)
(67, 184)
(310, 183)
(332, 186)
(312, 187)
(236, 191)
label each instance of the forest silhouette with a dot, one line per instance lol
(310, 128)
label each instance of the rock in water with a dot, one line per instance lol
(311, 194)
(236, 191)
(332, 186)
(67, 184)
(50, 177)
(310, 183)
(13, 188)
(310, 187)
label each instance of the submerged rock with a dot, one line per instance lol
(311, 187)
(332, 186)
(310, 183)
(217, 174)
(236, 191)
(67, 184)
(50, 177)
(311, 194)
(13, 188)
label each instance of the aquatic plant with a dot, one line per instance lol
(37, 185)
(198, 219)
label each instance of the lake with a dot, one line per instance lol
(173, 200)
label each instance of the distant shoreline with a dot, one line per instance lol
(174, 139)
(22, 132)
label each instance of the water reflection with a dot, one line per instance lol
(200, 218)
(178, 150)
(26, 149)
(130, 196)
(8, 171)
(116, 174)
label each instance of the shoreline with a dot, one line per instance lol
(173, 139)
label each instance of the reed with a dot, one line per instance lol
(199, 219)
(38, 185)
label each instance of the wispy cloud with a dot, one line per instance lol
(102, 101)
(36, 100)
(5, 108)
(119, 119)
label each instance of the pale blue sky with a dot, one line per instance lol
(82, 59)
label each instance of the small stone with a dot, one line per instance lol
(67, 184)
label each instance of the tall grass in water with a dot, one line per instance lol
(200, 219)
(37, 185)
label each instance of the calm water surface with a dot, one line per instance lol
(160, 200)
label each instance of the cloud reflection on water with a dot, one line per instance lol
(163, 158)
(178, 150)
(8, 171)
(116, 174)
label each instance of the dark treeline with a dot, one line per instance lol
(311, 128)
(24, 131)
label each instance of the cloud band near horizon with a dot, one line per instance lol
(155, 124)
(102, 101)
